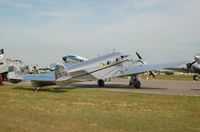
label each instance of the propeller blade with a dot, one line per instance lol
(193, 62)
(189, 65)
(152, 74)
(138, 55)
(64, 58)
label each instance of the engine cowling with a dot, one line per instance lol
(197, 58)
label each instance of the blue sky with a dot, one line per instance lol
(41, 32)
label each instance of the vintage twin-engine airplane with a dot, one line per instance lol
(100, 68)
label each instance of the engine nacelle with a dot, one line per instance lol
(197, 58)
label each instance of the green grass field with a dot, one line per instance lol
(88, 109)
(170, 77)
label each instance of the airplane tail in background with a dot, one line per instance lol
(15, 75)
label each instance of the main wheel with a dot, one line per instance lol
(195, 77)
(100, 83)
(137, 85)
(5, 76)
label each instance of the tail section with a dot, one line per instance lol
(62, 76)
(15, 75)
(61, 73)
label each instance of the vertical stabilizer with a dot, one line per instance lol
(61, 73)
(15, 75)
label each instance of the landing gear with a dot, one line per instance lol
(195, 77)
(1, 79)
(101, 83)
(37, 89)
(5, 76)
(134, 81)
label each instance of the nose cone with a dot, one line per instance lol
(64, 58)
(197, 58)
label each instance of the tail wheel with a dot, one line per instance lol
(1, 78)
(100, 83)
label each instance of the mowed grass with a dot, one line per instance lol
(88, 109)
(170, 77)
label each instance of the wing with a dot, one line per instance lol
(132, 70)
(179, 69)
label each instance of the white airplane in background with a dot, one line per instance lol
(69, 60)
(4, 64)
(73, 59)
(99, 68)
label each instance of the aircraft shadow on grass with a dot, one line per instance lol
(45, 89)
(111, 86)
(83, 86)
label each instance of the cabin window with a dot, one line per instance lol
(117, 60)
(108, 62)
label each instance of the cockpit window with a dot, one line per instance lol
(71, 56)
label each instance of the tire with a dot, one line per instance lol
(195, 77)
(137, 85)
(101, 83)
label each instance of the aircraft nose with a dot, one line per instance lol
(64, 58)
(197, 58)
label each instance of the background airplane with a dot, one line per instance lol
(195, 67)
(4, 64)
(191, 67)
(99, 68)
(73, 59)
(68, 60)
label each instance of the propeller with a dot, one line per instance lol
(189, 65)
(64, 58)
(152, 74)
(140, 58)
(138, 55)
